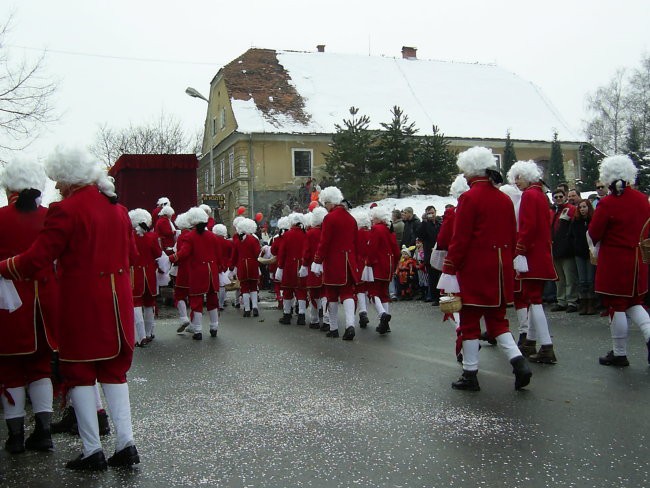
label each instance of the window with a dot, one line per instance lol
(212, 176)
(302, 162)
(222, 121)
(222, 167)
(214, 126)
(206, 180)
(231, 165)
(497, 159)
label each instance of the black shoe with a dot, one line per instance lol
(182, 327)
(213, 332)
(94, 462)
(198, 336)
(490, 340)
(247, 313)
(384, 325)
(285, 319)
(41, 438)
(324, 327)
(332, 333)
(349, 334)
(467, 381)
(256, 312)
(102, 420)
(571, 309)
(314, 325)
(67, 423)
(125, 458)
(610, 360)
(301, 319)
(238, 305)
(521, 371)
(558, 308)
(363, 320)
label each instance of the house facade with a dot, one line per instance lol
(271, 116)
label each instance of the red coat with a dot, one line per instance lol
(534, 236)
(337, 249)
(154, 215)
(311, 244)
(18, 330)
(92, 239)
(617, 224)
(363, 246)
(183, 273)
(201, 253)
(483, 244)
(245, 254)
(276, 245)
(446, 229)
(290, 257)
(166, 233)
(226, 247)
(145, 267)
(210, 224)
(384, 253)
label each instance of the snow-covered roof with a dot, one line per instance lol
(301, 92)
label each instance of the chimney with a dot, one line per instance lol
(409, 52)
(321, 48)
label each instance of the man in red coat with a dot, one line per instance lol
(27, 335)
(166, 230)
(245, 265)
(289, 263)
(363, 248)
(479, 265)
(619, 223)
(534, 259)
(91, 238)
(336, 259)
(162, 202)
(226, 246)
(314, 282)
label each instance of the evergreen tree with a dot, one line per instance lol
(350, 158)
(509, 156)
(435, 163)
(556, 164)
(396, 147)
(634, 149)
(589, 159)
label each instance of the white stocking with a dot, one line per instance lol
(149, 321)
(119, 408)
(83, 398)
(508, 345)
(17, 410)
(348, 307)
(40, 393)
(139, 324)
(334, 315)
(470, 355)
(361, 300)
(618, 328)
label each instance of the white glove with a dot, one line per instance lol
(449, 283)
(224, 279)
(316, 268)
(278, 274)
(302, 272)
(520, 264)
(163, 263)
(9, 298)
(367, 274)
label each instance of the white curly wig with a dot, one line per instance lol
(220, 230)
(283, 223)
(162, 201)
(206, 208)
(307, 218)
(167, 211)
(296, 218)
(526, 170)
(317, 216)
(618, 167)
(19, 175)
(475, 160)
(381, 213)
(73, 167)
(195, 216)
(458, 187)
(181, 221)
(362, 217)
(248, 226)
(140, 216)
(331, 194)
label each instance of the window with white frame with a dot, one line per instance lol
(231, 165)
(302, 161)
(222, 168)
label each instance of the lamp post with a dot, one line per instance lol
(192, 92)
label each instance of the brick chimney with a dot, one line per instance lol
(409, 52)
(321, 48)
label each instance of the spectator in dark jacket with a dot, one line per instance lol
(428, 233)
(563, 254)
(411, 226)
(398, 228)
(586, 270)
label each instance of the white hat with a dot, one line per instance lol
(475, 160)
(458, 187)
(618, 167)
(362, 217)
(195, 216)
(166, 211)
(380, 213)
(331, 194)
(140, 216)
(526, 170)
(182, 222)
(19, 175)
(162, 201)
(296, 218)
(220, 230)
(317, 216)
(206, 208)
(248, 226)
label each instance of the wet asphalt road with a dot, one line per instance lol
(270, 405)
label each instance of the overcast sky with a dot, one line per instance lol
(124, 61)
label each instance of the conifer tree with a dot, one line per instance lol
(396, 150)
(589, 159)
(435, 163)
(634, 150)
(350, 158)
(509, 156)
(556, 164)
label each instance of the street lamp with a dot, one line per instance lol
(192, 92)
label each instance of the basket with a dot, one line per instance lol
(450, 304)
(271, 260)
(644, 244)
(232, 286)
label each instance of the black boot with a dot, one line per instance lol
(286, 319)
(15, 443)
(68, 423)
(256, 312)
(301, 319)
(545, 355)
(363, 320)
(247, 313)
(125, 458)
(384, 325)
(610, 360)
(102, 420)
(467, 381)
(332, 333)
(349, 334)
(521, 371)
(41, 438)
